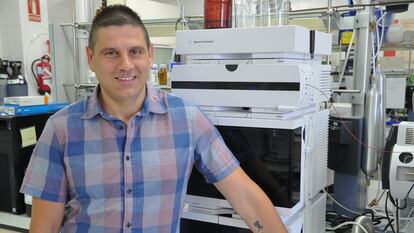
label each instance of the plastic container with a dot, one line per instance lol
(217, 13)
(395, 32)
(154, 74)
(163, 75)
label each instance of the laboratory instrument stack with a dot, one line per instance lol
(263, 91)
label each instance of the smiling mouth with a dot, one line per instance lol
(125, 78)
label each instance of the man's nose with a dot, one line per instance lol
(125, 62)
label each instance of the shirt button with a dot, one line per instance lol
(129, 191)
(127, 158)
(128, 224)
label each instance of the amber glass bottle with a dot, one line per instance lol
(163, 75)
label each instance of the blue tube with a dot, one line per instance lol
(349, 13)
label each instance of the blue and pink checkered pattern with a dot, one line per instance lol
(118, 177)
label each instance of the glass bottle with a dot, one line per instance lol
(217, 13)
(162, 75)
(248, 13)
(275, 11)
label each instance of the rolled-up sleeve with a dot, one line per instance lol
(212, 157)
(45, 176)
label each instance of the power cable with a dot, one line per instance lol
(347, 223)
(347, 128)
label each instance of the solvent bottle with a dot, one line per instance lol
(163, 74)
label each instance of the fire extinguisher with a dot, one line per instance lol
(41, 70)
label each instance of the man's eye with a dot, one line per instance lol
(136, 52)
(111, 53)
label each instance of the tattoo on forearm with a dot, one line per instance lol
(258, 226)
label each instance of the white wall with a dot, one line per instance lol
(2, 26)
(153, 10)
(10, 31)
(165, 9)
(21, 39)
(1, 46)
(60, 11)
(111, 2)
(34, 37)
(193, 7)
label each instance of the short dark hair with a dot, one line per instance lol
(115, 15)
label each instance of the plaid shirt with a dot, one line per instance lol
(125, 178)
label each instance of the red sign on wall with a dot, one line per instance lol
(390, 53)
(34, 10)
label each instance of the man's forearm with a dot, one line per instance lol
(262, 217)
(251, 203)
(37, 227)
(47, 216)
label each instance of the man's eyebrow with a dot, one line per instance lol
(137, 47)
(106, 50)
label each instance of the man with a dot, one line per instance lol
(120, 160)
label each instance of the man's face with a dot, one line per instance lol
(122, 61)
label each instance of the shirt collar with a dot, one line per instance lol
(155, 102)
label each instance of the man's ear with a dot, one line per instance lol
(151, 53)
(89, 54)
